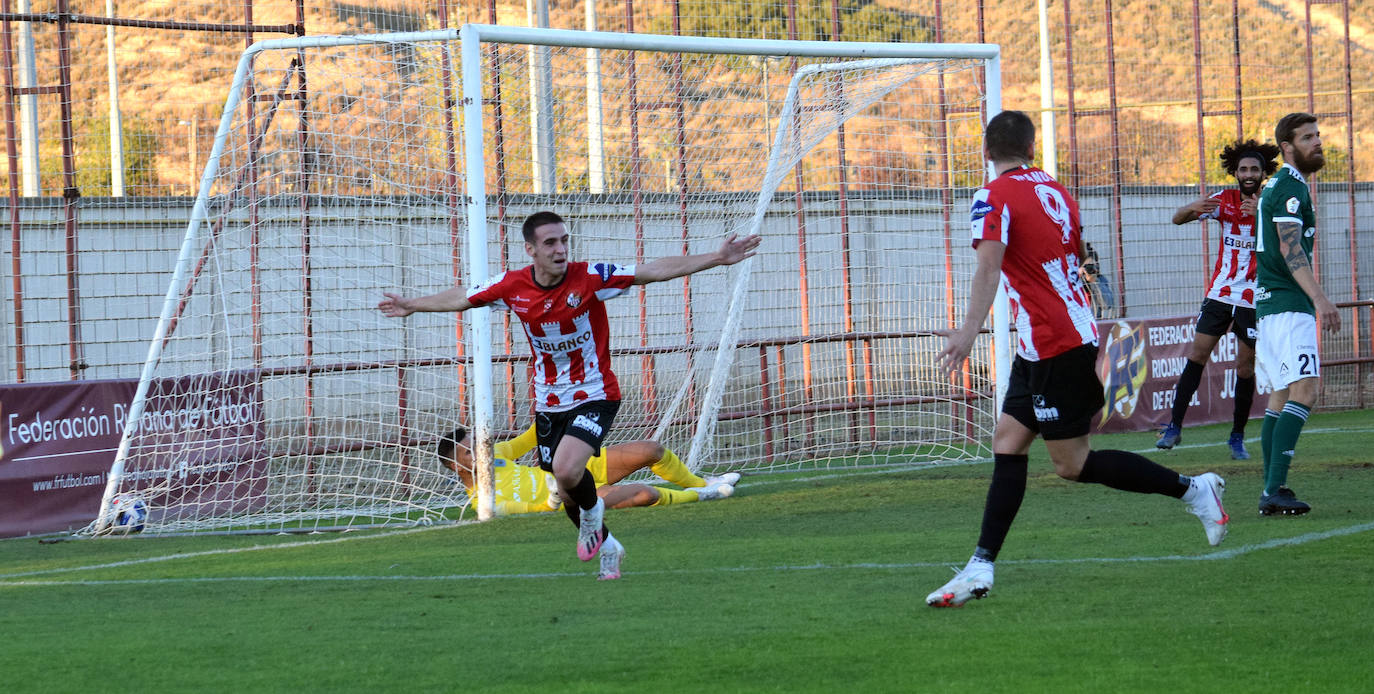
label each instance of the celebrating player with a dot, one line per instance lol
(524, 489)
(1288, 301)
(1026, 232)
(559, 303)
(1230, 301)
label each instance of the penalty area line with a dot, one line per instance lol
(1306, 538)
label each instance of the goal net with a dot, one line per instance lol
(276, 396)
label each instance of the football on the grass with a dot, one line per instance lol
(129, 513)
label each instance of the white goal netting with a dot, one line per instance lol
(276, 396)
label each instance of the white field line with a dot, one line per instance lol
(235, 550)
(757, 481)
(786, 568)
(752, 481)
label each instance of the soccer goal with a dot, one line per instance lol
(275, 396)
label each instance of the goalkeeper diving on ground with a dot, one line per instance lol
(528, 489)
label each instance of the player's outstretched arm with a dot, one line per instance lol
(984, 290)
(397, 306)
(1195, 209)
(731, 251)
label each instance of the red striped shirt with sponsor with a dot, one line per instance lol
(1233, 276)
(1037, 219)
(566, 327)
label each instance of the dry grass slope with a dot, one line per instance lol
(172, 83)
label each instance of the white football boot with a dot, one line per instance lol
(1203, 500)
(589, 536)
(973, 583)
(612, 553)
(714, 492)
(730, 478)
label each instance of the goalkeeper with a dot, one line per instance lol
(527, 489)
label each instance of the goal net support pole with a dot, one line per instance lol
(365, 133)
(879, 55)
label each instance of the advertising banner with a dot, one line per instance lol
(194, 447)
(1139, 362)
(58, 441)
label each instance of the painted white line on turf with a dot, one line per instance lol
(756, 479)
(234, 550)
(751, 481)
(1303, 539)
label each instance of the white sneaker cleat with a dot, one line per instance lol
(1203, 499)
(973, 583)
(719, 490)
(589, 535)
(730, 478)
(612, 553)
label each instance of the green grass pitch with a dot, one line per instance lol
(802, 582)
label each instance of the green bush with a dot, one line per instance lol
(92, 152)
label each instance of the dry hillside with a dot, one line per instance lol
(172, 82)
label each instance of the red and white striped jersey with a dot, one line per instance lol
(567, 329)
(1233, 276)
(1037, 219)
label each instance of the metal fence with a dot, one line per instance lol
(109, 113)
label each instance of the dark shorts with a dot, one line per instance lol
(1056, 397)
(1217, 317)
(588, 422)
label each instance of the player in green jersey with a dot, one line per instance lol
(1288, 303)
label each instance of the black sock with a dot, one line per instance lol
(1245, 398)
(1005, 493)
(1183, 392)
(1132, 473)
(583, 496)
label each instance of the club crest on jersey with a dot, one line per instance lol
(548, 304)
(1292, 205)
(574, 299)
(981, 208)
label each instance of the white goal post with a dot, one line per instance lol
(275, 396)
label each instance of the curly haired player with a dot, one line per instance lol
(1230, 301)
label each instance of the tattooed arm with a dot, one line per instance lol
(1290, 243)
